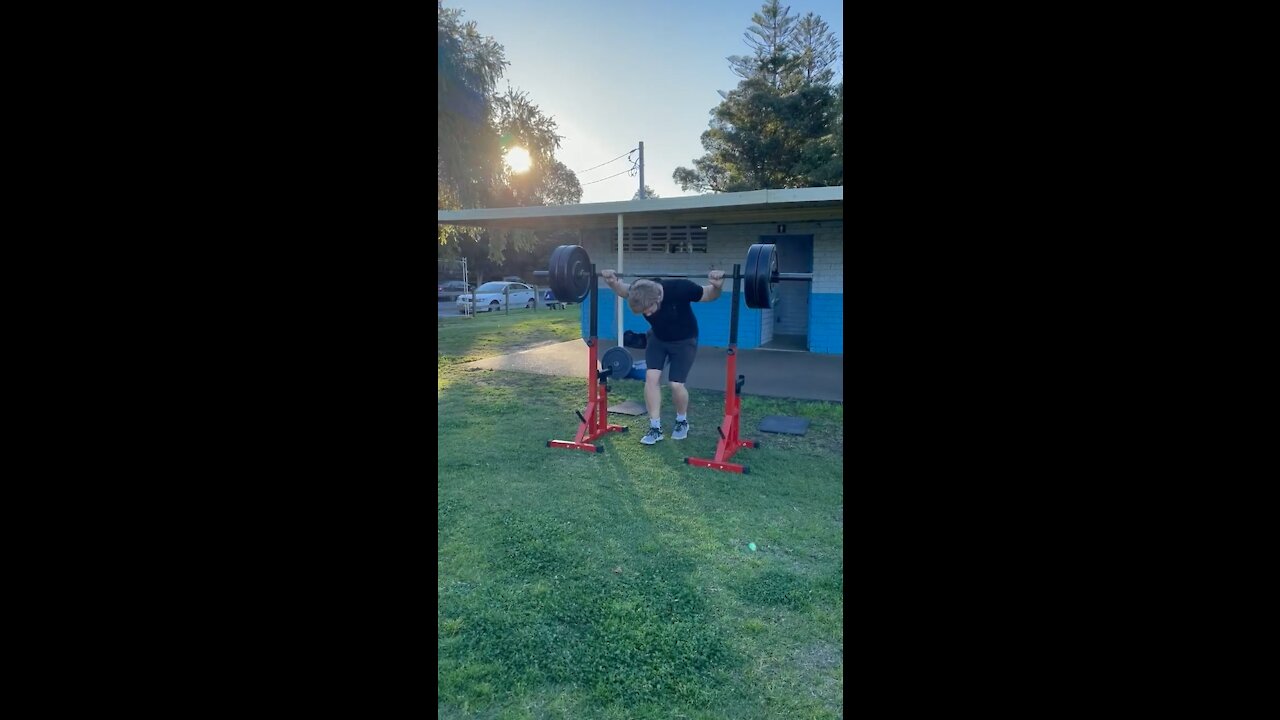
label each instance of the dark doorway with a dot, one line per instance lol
(787, 324)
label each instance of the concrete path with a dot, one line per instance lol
(770, 373)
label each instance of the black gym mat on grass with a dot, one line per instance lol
(784, 424)
(630, 407)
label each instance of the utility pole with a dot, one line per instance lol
(618, 301)
(466, 278)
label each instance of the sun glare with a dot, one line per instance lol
(518, 160)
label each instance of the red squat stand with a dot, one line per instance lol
(596, 423)
(730, 443)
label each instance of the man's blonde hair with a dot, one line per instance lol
(642, 294)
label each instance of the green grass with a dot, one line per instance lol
(620, 584)
(463, 339)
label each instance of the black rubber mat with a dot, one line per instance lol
(630, 407)
(784, 424)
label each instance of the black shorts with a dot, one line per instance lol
(681, 354)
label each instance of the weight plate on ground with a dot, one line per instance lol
(618, 360)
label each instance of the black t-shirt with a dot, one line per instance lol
(674, 319)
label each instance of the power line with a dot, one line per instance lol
(608, 161)
(624, 172)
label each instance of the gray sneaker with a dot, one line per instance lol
(652, 437)
(681, 430)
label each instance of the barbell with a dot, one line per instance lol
(571, 278)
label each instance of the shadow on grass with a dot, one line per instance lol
(571, 606)
(569, 581)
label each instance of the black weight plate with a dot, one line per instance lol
(766, 275)
(551, 265)
(561, 285)
(553, 273)
(755, 284)
(748, 286)
(618, 360)
(773, 276)
(580, 275)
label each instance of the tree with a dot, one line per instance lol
(815, 50)
(475, 127)
(547, 181)
(746, 143)
(648, 194)
(560, 186)
(822, 158)
(782, 126)
(768, 38)
(468, 67)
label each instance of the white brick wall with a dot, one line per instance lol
(828, 258)
(828, 247)
(717, 257)
(728, 244)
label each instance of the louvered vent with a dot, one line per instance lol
(665, 239)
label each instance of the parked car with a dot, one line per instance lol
(451, 289)
(490, 296)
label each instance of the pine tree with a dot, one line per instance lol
(782, 126)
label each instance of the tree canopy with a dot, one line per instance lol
(477, 125)
(783, 125)
(467, 151)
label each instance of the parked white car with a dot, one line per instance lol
(489, 296)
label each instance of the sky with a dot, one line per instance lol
(613, 74)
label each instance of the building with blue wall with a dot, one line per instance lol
(694, 235)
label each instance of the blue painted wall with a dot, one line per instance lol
(826, 323)
(713, 320)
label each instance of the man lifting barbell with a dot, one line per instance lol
(672, 336)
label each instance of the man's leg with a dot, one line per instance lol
(682, 355)
(653, 403)
(680, 396)
(653, 394)
(655, 356)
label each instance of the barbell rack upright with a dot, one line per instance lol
(730, 442)
(596, 422)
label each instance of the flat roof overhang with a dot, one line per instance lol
(755, 206)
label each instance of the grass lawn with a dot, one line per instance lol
(621, 584)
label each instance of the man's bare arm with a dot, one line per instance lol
(611, 279)
(712, 291)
